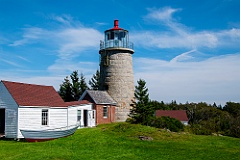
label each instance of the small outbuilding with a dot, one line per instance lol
(180, 115)
(103, 103)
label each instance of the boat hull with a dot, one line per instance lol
(46, 135)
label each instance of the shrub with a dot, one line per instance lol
(131, 120)
(235, 127)
(200, 130)
(166, 122)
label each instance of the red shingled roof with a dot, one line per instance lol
(34, 95)
(181, 115)
(37, 95)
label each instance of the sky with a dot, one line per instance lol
(187, 50)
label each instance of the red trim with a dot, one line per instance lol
(116, 26)
(39, 140)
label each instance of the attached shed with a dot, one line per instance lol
(38, 107)
(180, 115)
(103, 103)
(84, 111)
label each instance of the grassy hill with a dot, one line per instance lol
(121, 141)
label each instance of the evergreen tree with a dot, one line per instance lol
(95, 81)
(232, 108)
(72, 91)
(65, 90)
(75, 85)
(82, 84)
(141, 109)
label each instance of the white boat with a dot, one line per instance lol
(50, 134)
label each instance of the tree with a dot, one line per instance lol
(94, 82)
(158, 105)
(232, 108)
(75, 85)
(73, 90)
(82, 84)
(141, 110)
(65, 90)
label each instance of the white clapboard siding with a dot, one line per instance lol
(58, 117)
(72, 115)
(30, 118)
(11, 116)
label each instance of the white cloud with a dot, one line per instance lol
(75, 40)
(189, 40)
(22, 58)
(211, 80)
(65, 67)
(163, 14)
(177, 35)
(10, 62)
(68, 42)
(184, 56)
(30, 35)
(64, 19)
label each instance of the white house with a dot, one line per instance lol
(38, 107)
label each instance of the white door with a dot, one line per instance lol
(91, 118)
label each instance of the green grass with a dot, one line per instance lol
(120, 141)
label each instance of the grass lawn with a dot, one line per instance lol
(121, 141)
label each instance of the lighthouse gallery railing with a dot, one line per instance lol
(116, 44)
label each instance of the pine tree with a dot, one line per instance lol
(75, 85)
(82, 84)
(65, 90)
(95, 81)
(141, 109)
(73, 91)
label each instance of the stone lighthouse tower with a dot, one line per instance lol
(116, 70)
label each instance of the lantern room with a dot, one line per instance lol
(116, 38)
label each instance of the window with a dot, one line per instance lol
(105, 112)
(93, 114)
(79, 113)
(44, 117)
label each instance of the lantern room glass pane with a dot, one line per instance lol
(116, 39)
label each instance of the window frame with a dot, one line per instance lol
(45, 117)
(79, 115)
(105, 112)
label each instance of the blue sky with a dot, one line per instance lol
(186, 50)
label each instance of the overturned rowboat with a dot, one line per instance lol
(50, 134)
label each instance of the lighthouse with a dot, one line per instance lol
(116, 69)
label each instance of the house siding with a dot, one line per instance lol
(11, 116)
(99, 116)
(30, 118)
(58, 117)
(72, 115)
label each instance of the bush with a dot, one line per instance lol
(235, 127)
(166, 122)
(200, 130)
(131, 120)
